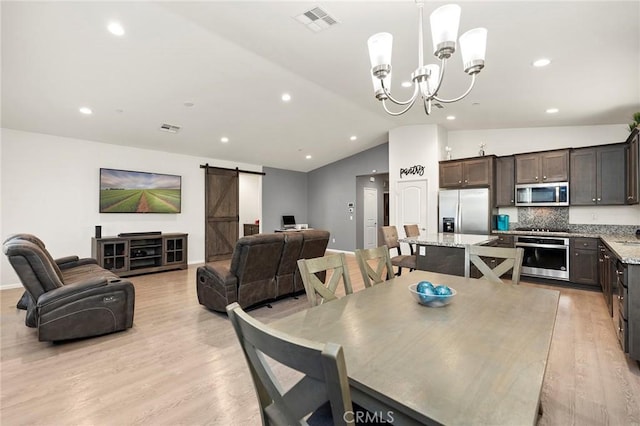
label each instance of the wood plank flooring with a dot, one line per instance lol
(181, 364)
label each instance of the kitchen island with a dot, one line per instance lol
(444, 252)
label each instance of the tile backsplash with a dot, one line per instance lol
(558, 217)
(543, 217)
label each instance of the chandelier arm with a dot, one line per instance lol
(448, 101)
(397, 102)
(427, 106)
(400, 112)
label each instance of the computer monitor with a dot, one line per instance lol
(288, 221)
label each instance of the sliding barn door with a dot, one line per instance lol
(221, 204)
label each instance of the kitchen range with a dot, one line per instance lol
(544, 256)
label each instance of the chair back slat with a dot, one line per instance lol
(318, 291)
(383, 269)
(323, 367)
(512, 261)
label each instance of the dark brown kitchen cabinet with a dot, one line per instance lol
(607, 274)
(541, 167)
(633, 167)
(505, 181)
(467, 173)
(598, 175)
(583, 265)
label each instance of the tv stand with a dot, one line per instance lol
(140, 252)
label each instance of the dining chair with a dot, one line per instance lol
(411, 231)
(322, 365)
(389, 235)
(512, 261)
(318, 291)
(380, 271)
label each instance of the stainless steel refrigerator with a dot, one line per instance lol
(464, 211)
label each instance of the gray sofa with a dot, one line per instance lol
(68, 298)
(263, 268)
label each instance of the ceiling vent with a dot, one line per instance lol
(316, 19)
(171, 128)
(438, 105)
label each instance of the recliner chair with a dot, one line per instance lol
(85, 300)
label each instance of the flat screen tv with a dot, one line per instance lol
(288, 221)
(125, 191)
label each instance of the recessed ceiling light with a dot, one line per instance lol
(308, 157)
(353, 138)
(86, 111)
(224, 139)
(552, 110)
(116, 29)
(451, 117)
(406, 84)
(286, 97)
(543, 62)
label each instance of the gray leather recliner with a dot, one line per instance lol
(69, 298)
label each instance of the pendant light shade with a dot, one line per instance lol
(473, 45)
(445, 21)
(380, 49)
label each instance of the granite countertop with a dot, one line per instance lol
(625, 246)
(449, 240)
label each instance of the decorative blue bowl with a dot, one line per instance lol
(431, 300)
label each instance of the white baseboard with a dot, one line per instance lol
(341, 251)
(10, 286)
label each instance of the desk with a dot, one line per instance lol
(479, 360)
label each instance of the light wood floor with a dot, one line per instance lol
(181, 364)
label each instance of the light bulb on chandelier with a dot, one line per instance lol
(427, 79)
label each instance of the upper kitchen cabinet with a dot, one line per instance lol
(598, 176)
(541, 167)
(472, 172)
(633, 167)
(505, 186)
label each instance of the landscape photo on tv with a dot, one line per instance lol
(124, 191)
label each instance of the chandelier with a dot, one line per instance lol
(427, 79)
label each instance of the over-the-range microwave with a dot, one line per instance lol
(543, 194)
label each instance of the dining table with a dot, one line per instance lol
(479, 360)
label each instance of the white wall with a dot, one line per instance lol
(415, 145)
(49, 188)
(465, 143)
(250, 188)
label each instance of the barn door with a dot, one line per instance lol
(221, 212)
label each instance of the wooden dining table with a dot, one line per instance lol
(477, 361)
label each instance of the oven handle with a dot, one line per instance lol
(552, 246)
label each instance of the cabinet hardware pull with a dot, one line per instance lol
(544, 177)
(593, 199)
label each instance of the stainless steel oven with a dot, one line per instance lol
(544, 257)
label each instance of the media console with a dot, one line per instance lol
(140, 253)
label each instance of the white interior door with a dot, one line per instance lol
(370, 211)
(411, 202)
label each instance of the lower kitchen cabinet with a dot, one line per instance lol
(583, 265)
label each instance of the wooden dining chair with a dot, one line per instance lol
(512, 261)
(411, 231)
(389, 235)
(380, 271)
(323, 391)
(318, 291)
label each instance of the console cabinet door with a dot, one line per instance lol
(505, 187)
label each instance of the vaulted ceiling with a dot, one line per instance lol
(218, 69)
